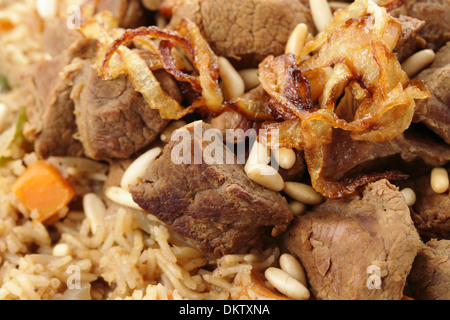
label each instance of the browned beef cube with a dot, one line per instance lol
(357, 248)
(215, 205)
(113, 119)
(430, 274)
(129, 13)
(436, 14)
(411, 152)
(434, 112)
(431, 212)
(245, 31)
(408, 41)
(51, 120)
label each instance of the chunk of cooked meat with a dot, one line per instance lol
(51, 120)
(215, 205)
(430, 274)
(408, 42)
(113, 119)
(341, 242)
(129, 13)
(431, 212)
(244, 30)
(410, 152)
(240, 127)
(434, 112)
(436, 14)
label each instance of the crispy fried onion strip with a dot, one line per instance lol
(353, 56)
(188, 37)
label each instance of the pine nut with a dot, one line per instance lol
(439, 180)
(286, 284)
(418, 61)
(122, 197)
(297, 208)
(321, 13)
(137, 169)
(297, 40)
(233, 85)
(95, 210)
(291, 266)
(410, 196)
(166, 134)
(259, 154)
(302, 193)
(284, 157)
(266, 176)
(47, 9)
(61, 250)
(250, 78)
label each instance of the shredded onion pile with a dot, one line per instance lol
(352, 56)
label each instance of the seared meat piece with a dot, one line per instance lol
(130, 13)
(113, 119)
(346, 246)
(215, 205)
(297, 171)
(411, 152)
(431, 212)
(430, 274)
(408, 41)
(434, 112)
(244, 30)
(238, 125)
(51, 121)
(436, 14)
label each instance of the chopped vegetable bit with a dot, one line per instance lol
(12, 136)
(4, 84)
(42, 190)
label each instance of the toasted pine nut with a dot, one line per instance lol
(439, 180)
(286, 284)
(250, 78)
(137, 169)
(292, 266)
(259, 154)
(297, 40)
(302, 193)
(266, 176)
(161, 21)
(121, 196)
(95, 210)
(166, 135)
(410, 196)
(321, 13)
(47, 9)
(417, 62)
(297, 208)
(233, 85)
(61, 250)
(284, 157)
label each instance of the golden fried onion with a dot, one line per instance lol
(355, 52)
(188, 37)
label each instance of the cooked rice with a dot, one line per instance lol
(110, 252)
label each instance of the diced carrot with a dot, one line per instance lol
(41, 188)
